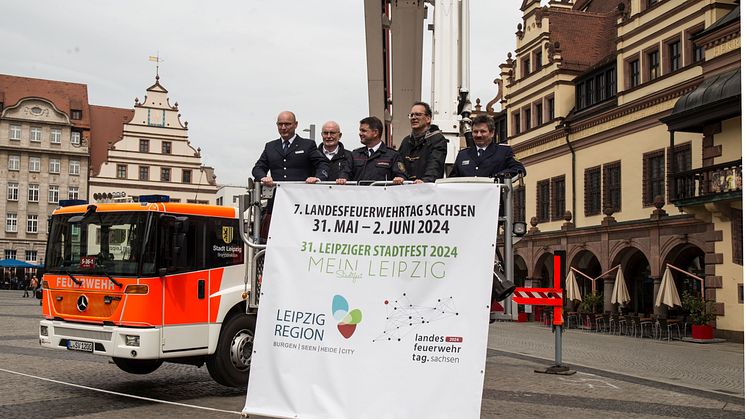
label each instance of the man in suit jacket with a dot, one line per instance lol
(340, 159)
(290, 157)
(485, 158)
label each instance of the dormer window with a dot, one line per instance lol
(596, 87)
(76, 114)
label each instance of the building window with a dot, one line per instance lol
(53, 194)
(653, 65)
(166, 147)
(543, 204)
(537, 59)
(31, 255)
(14, 162)
(219, 201)
(611, 82)
(634, 73)
(54, 165)
(558, 197)
(75, 137)
(12, 191)
(613, 186)
(74, 167)
(55, 136)
(653, 176)
(33, 192)
(674, 55)
(593, 191)
(519, 204)
(73, 192)
(165, 174)
(527, 117)
(35, 134)
(186, 176)
(32, 224)
(698, 53)
(15, 132)
(10, 254)
(539, 112)
(76, 114)
(144, 173)
(595, 88)
(11, 226)
(526, 63)
(144, 146)
(550, 108)
(516, 123)
(34, 164)
(736, 230)
(682, 157)
(121, 171)
(740, 293)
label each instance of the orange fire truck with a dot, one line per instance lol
(150, 282)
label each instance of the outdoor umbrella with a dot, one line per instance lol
(668, 294)
(15, 263)
(571, 285)
(620, 294)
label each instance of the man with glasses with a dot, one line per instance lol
(290, 157)
(340, 159)
(374, 161)
(424, 150)
(485, 158)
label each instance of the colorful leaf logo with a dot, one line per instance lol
(348, 320)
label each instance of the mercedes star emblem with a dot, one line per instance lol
(82, 303)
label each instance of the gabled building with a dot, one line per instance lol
(44, 144)
(145, 151)
(626, 114)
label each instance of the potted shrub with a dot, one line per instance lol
(701, 313)
(592, 303)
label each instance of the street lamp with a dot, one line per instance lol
(311, 130)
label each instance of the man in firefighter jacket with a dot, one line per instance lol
(485, 158)
(424, 150)
(374, 161)
(340, 159)
(290, 157)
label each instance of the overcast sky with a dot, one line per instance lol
(231, 65)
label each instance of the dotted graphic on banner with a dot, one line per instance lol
(403, 317)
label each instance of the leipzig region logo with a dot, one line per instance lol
(348, 320)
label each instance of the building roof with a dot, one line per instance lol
(716, 98)
(733, 16)
(106, 127)
(599, 6)
(584, 38)
(64, 95)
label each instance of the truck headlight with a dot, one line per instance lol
(44, 331)
(132, 340)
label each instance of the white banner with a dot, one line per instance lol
(375, 302)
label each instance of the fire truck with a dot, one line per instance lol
(149, 282)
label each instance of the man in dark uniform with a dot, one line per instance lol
(374, 161)
(485, 158)
(424, 150)
(290, 157)
(340, 159)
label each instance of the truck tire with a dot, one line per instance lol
(137, 366)
(230, 363)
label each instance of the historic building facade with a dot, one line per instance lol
(44, 143)
(627, 117)
(146, 151)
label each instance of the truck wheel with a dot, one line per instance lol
(230, 363)
(137, 366)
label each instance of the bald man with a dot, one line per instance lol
(290, 157)
(340, 159)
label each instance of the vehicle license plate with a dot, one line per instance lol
(76, 345)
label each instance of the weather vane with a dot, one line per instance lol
(158, 60)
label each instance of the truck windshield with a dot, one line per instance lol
(116, 243)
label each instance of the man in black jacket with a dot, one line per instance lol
(374, 161)
(424, 150)
(340, 159)
(290, 157)
(485, 158)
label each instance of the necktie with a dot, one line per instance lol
(370, 152)
(285, 145)
(479, 152)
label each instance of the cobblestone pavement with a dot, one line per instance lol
(512, 389)
(712, 367)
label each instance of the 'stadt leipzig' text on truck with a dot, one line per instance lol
(149, 282)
